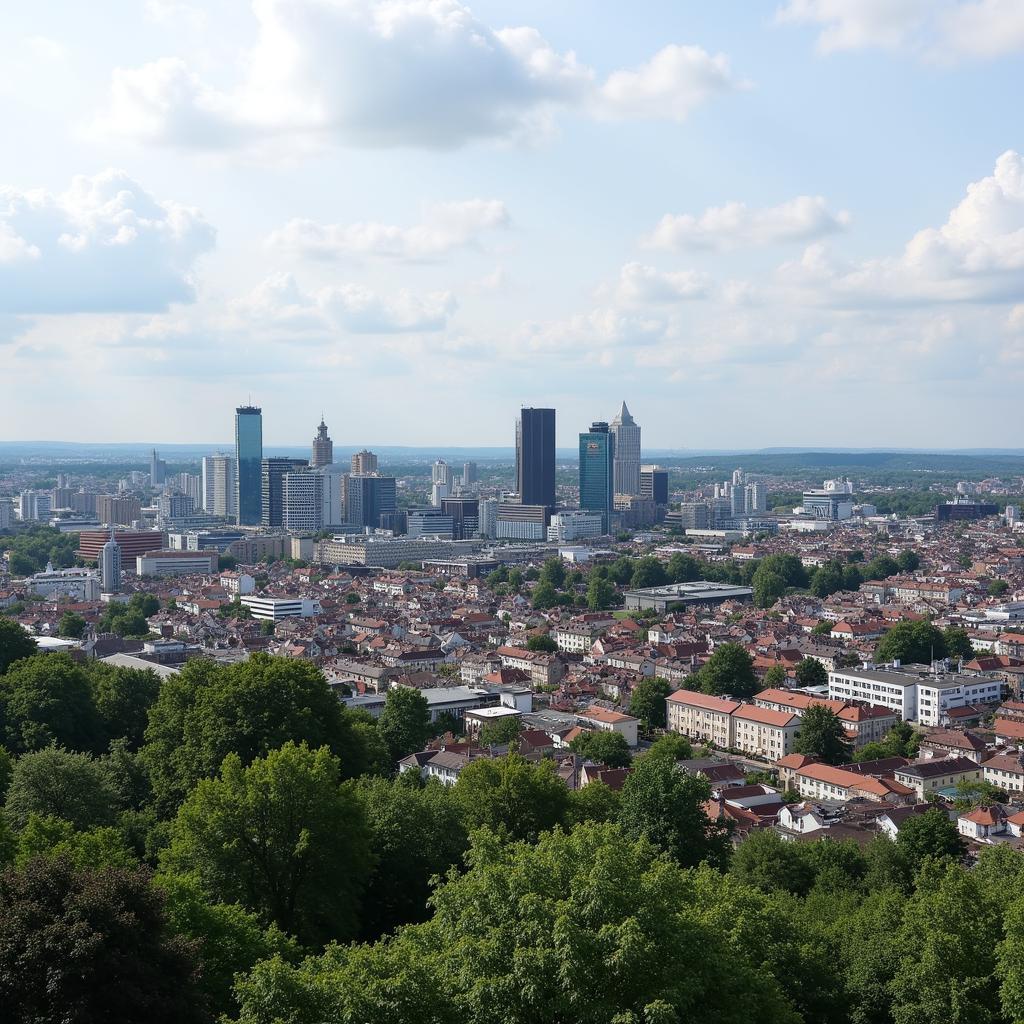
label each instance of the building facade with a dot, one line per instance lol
(272, 474)
(323, 447)
(535, 457)
(597, 472)
(627, 452)
(249, 465)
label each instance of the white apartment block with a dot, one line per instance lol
(277, 608)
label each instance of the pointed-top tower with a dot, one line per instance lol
(110, 565)
(323, 447)
(627, 452)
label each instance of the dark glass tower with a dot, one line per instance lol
(249, 464)
(369, 498)
(597, 471)
(272, 474)
(535, 457)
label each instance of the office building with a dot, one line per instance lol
(364, 463)
(960, 511)
(387, 552)
(654, 484)
(755, 497)
(35, 506)
(131, 542)
(429, 522)
(157, 469)
(110, 564)
(272, 474)
(397, 522)
(627, 452)
(738, 478)
(220, 491)
(302, 501)
(370, 497)
(71, 584)
(828, 505)
(249, 465)
(6, 514)
(737, 501)
(576, 525)
(274, 609)
(465, 514)
(635, 512)
(517, 521)
(597, 472)
(469, 474)
(333, 495)
(680, 595)
(323, 447)
(535, 457)
(175, 506)
(177, 563)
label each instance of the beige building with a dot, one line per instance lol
(701, 717)
(764, 732)
(929, 776)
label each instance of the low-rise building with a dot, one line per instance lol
(275, 609)
(930, 775)
(606, 720)
(701, 717)
(764, 733)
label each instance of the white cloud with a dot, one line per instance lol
(171, 12)
(279, 302)
(941, 30)
(396, 72)
(640, 285)
(103, 245)
(735, 224)
(977, 255)
(45, 48)
(444, 228)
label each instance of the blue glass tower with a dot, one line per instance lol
(597, 472)
(249, 464)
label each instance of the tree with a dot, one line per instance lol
(912, 643)
(823, 628)
(768, 587)
(766, 862)
(789, 567)
(811, 672)
(94, 848)
(207, 711)
(958, 643)
(666, 806)
(996, 588)
(684, 568)
(281, 837)
(601, 593)
(501, 732)
(123, 697)
(48, 699)
(544, 596)
(15, 643)
(544, 644)
(907, 560)
(515, 798)
(71, 625)
(61, 783)
(648, 701)
(673, 746)
(930, 834)
(775, 677)
(730, 669)
(821, 735)
(608, 748)
(415, 833)
(352, 598)
(648, 572)
(827, 579)
(593, 802)
(91, 946)
(404, 723)
(553, 572)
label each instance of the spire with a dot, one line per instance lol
(624, 416)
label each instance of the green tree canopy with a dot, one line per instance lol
(648, 701)
(958, 643)
(608, 748)
(768, 587)
(912, 643)
(71, 625)
(811, 672)
(648, 572)
(545, 644)
(730, 669)
(500, 732)
(553, 572)
(15, 643)
(601, 593)
(930, 834)
(821, 735)
(282, 838)
(123, 697)
(404, 723)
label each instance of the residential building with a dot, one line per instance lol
(606, 720)
(931, 775)
(71, 584)
(118, 510)
(302, 501)
(274, 609)
(626, 432)
(220, 491)
(535, 457)
(702, 718)
(157, 469)
(488, 518)
(249, 465)
(755, 497)
(175, 506)
(1006, 771)
(237, 583)
(35, 506)
(469, 474)
(764, 733)
(364, 463)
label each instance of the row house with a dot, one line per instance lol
(819, 781)
(953, 743)
(544, 669)
(862, 723)
(1011, 644)
(764, 733)
(701, 717)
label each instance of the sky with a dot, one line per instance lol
(794, 222)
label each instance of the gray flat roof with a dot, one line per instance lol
(922, 676)
(694, 591)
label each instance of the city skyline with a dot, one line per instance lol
(793, 202)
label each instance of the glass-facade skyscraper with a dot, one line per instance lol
(535, 457)
(249, 464)
(597, 471)
(627, 452)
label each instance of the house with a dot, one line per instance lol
(721, 774)
(1005, 771)
(951, 743)
(890, 823)
(982, 823)
(801, 818)
(764, 733)
(1008, 730)
(701, 717)
(606, 720)
(790, 764)
(930, 775)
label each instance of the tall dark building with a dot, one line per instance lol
(249, 464)
(272, 474)
(465, 513)
(535, 457)
(654, 484)
(369, 498)
(597, 471)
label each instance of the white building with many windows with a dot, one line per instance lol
(275, 609)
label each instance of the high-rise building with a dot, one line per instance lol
(516, 521)
(465, 515)
(488, 517)
(249, 465)
(6, 514)
(369, 497)
(119, 510)
(627, 452)
(333, 507)
(756, 497)
(175, 506)
(157, 469)
(535, 457)
(323, 447)
(110, 565)
(737, 500)
(302, 501)
(597, 472)
(430, 522)
(654, 484)
(364, 463)
(219, 489)
(738, 478)
(272, 474)
(441, 472)
(35, 506)
(469, 474)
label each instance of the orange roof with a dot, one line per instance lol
(832, 776)
(598, 714)
(696, 699)
(796, 760)
(984, 816)
(763, 716)
(1006, 727)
